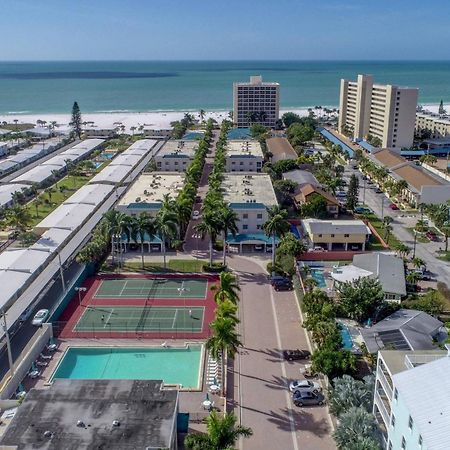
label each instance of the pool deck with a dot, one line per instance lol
(190, 400)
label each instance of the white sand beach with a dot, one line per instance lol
(151, 119)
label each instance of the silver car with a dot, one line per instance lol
(305, 386)
(40, 317)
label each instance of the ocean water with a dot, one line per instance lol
(44, 87)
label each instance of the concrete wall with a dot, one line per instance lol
(29, 354)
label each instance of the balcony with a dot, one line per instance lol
(385, 381)
(381, 406)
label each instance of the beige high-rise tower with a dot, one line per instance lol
(256, 102)
(384, 111)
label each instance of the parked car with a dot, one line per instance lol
(304, 385)
(305, 398)
(361, 210)
(283, 285)
(27, 313)
(318, 248)
(432, 236)
(295, 355)
(393, 206)
(277, 279)
(40, 317)
(378, 191)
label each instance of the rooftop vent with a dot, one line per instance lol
(48, 434)
(80, 424)
(116, 423)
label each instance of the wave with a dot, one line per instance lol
(18, 112)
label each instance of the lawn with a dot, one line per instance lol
(173, 265)
(444, 256)
(420, 237)
(377, 224)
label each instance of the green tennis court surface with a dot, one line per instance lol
(152, 288)
(141, 318)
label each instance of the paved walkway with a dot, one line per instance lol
(270, 322)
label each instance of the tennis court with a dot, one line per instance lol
(152, 288)
(141, 319)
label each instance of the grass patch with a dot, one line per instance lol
(444, 256)
(377, 224)
(173, 265)
(420, 237)
(17, 127)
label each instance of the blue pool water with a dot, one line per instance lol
(239, 133)
(108, 155)
(347, 341)
(193, 135)
(98, 164)
(317, 275)
(172, 365)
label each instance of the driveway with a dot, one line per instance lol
(270, 322)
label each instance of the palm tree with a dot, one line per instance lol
(228, 289)
(18, 218)
(116, 224)
(37, 202)
(227, 310)
(50, 191)
(202, 114)
(276, 225)
(403, 250)
(400, 186)
(166, 228)
(224, 341)
(309, 284)
(209, 226)
(387, 227)
(182, 207)
(141, 227)
(412, 277)
(222, 433)
(418, 262)
(228, 219)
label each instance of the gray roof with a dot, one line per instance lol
(406, 329)
(389, 270)
(145, 412)
(301, 177)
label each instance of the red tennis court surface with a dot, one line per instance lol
(166, 306)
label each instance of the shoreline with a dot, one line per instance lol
(152, 119)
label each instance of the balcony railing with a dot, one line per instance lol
(385, 382)
(382, 409)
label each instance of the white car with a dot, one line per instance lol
(196, 215)
(304, 385)
(40, 317)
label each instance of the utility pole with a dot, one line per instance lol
(414, 246)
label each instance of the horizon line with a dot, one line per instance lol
(226, 60)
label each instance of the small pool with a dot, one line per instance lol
(239, 133)
(317, 275)
(108, 155)
(193, 135)
(172, 365)
(347, 341)
(98, 164)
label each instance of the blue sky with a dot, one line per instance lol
(230, 29)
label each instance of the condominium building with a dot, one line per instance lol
(384, 111)
(437, 125)
(256, 102)
(244, 156)
(411, 401)
(175, 155)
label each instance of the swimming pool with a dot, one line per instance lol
(347, 341)
(193, 135)
(172, 365)
(108, 155)
(317, 275)
(239, 133)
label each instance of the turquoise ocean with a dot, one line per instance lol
(51, 87)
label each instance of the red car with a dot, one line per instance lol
(432, 236)
(393, 206)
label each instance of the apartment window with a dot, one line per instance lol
(245, 227)
(245, 216)
(259, 216)
(403, 445)
(393, 421)
(410, 423)
(346, 235)
(395, 394)
(233, 163)
(319, 235)
(332, 235)
(241, 163)
(258, 227)
(176, 163)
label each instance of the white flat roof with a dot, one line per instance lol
(315, 226)
(126, 160)
(92, 194)
(248, 188)
(178, 148)
(67, 216)
(6, 191)
(37, 174)
(349, 273)
(425, 391)
(239, 148)
(52, 239)
(151, 187)
(111, 174)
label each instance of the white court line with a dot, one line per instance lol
(174, 318)
(123, 287)
(109, 318)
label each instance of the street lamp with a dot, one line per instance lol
(80, 289)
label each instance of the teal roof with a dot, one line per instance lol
(143, 205)
(154, 240)
(245, 205)
(243, 237)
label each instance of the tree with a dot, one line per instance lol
(352, 192)
(222, 433)
(182, 207)
(290, 245)
(359, 299)
(387, 227)
(316, 207)
(347, 392)
(224, 341)
(228, 220)
(333, 362)
(76, 120)
(418, 262)
(276, 225)
(227, 290)
(356, 425)
(18, 217)
(202, 114)
(209, 226)
(289, 118)
(258, 131)
(142, 227)
(432, 303)
(166, 228)
(37, 202)
(402, 249)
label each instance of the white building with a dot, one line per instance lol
(146, 194)
(412, 401)
(176, 155)
(244, 156)
(438, 125)
(249, 195)
(384, 111)
(256, 102)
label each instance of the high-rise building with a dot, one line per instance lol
(385, 112)
(256, 102)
